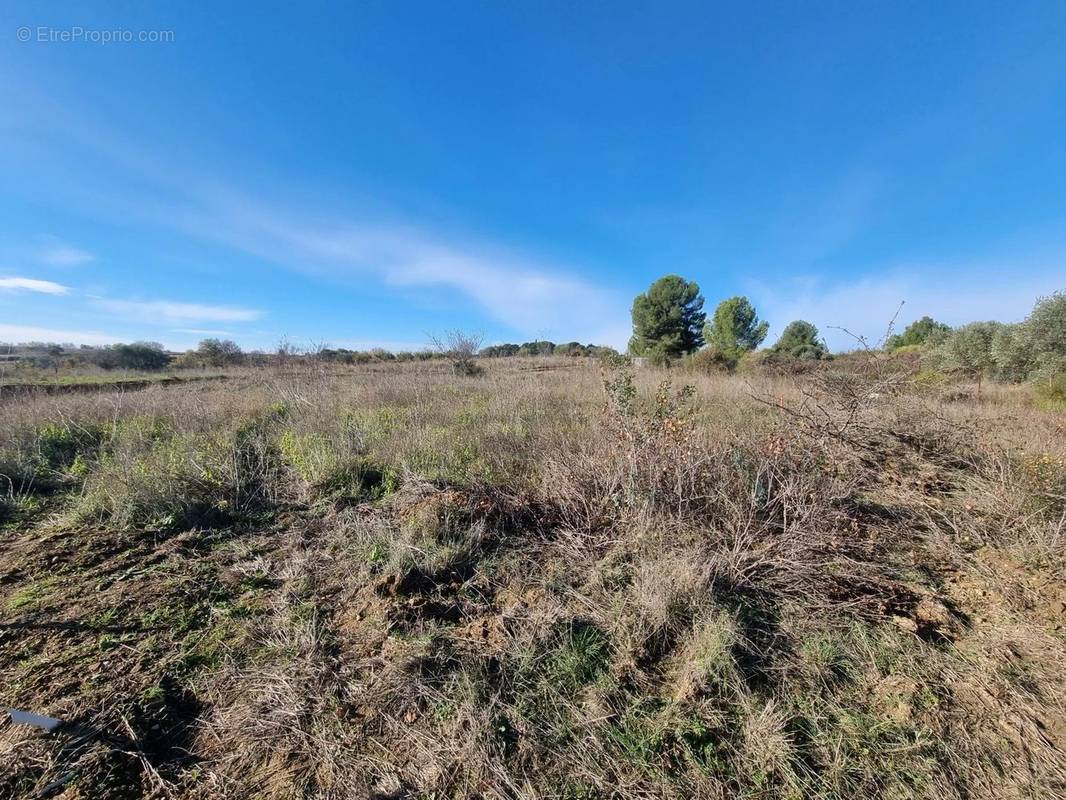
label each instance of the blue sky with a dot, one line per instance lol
(370, 175)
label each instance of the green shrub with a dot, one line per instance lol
(711, 361)
(658, 357)
(146, 356)
(59, 445)
(449, 455)
(925, 331)
(1046, 326)
(331, 473)
(310, 455)
(1050, 393)
(179, 480)
(1033, 349)
(360, 480)
(967, 351)
(929, 380)
(799, 341)
(904, 349)
(50, 456)
(754, 361)
(375, 425)
(1011, 353)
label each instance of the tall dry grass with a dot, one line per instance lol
(560, 579)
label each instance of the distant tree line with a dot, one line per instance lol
(669, 325)
(343, 356)
(147, 356)
(545, 348)
(216, 353)
(1034, 349)
(141, 356)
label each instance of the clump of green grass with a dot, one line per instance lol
(377, 425)
(449, 455)
(1049, 394)
(33, 595)
(52, 455)
(546, 681)
(662, 742)
(332, 473)
(168, 480)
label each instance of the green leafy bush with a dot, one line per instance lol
(799, 341)
(711, 361)
(179, 481)
(967, 351)
(330, 472)
(925, 331)
(1050, 392)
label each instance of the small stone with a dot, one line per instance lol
(933, 612)
(905, 623)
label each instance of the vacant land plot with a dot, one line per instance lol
(565, 581)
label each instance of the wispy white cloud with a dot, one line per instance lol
(526, 293)
(15, 284)
(814, 222)
(522, 293)
(169, 311)
(57, 253)
(45, 251)
(30, 333)
(203, 331)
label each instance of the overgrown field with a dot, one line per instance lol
(557, 579)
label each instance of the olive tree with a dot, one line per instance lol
(968, 351)
(1045, 335)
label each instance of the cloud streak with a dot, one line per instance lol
(524, 294)
(32, 333)
(204, 331)
(16, 284)
(59, 254)
(168, 311)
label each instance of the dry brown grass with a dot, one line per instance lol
(548, 580)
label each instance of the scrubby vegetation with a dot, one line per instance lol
(558, 577)
(920, 332)
(1034, 349)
